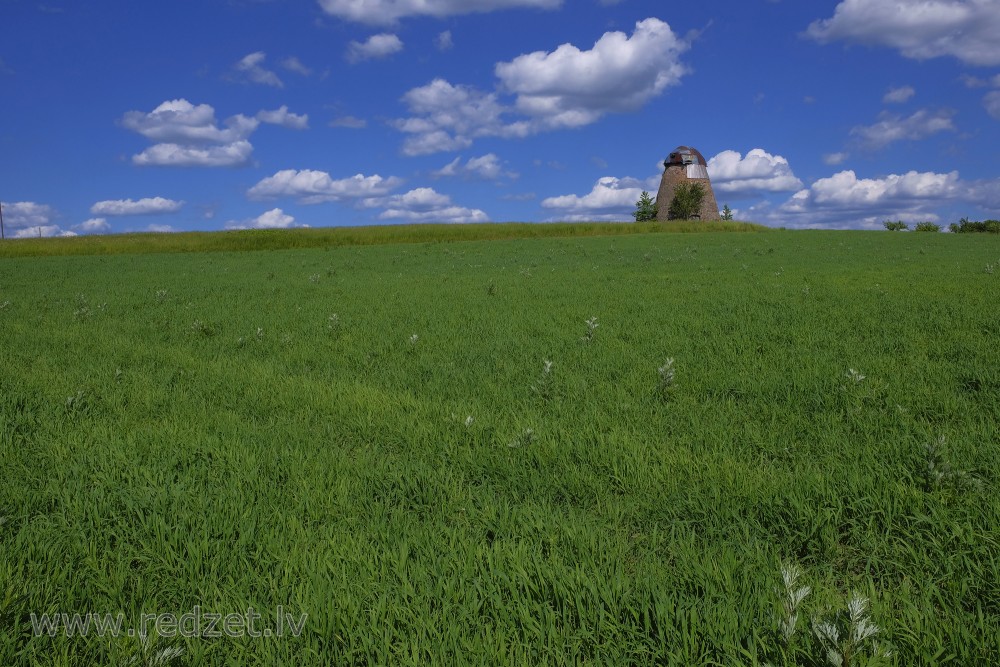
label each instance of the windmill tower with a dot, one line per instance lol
(685, 165)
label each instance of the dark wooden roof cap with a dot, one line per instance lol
(686, 155)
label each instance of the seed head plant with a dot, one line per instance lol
(592, 325)
(666, 377)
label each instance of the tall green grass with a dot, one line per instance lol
(199, 429)
(327, 237)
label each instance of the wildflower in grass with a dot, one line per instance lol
(792, 598)
(260, 333)
(938, 471)
(151, 656)
(414, 338)
(989, 268)
(854, 376)
(333, 323)
(544, 386)
(118, 374)
(591, 330)
(161, 295)
(314, 278)
(666, 373)
(82, 308)
(844, 639)
(4, 305)
(468, 421)
(524, 439)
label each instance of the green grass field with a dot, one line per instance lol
(427, 449)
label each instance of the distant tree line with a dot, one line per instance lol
(966, 226)
(963, 226)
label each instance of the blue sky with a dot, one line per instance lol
(210, 114)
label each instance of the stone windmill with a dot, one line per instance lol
(685, 165)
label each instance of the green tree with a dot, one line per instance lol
(897, 226)
(927, 227)
(645, 208)
(727, 213)
(686, 202)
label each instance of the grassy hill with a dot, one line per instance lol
(549, 451)
(331, 237)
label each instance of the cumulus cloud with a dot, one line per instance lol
(160, 229)
(42, 231)
(382, 45)
(93, 226)
(179, 121)
(174, 155)
(387, 12)
(314, 187)
(919, 29)
(487, 167)
(450, 117)
(569, 87)
(147, 206)
(835, 158)
(188, 135)
(564, 88)
(846, 201)
(898, 95)
(273, 219)
(424, 205)
(758, 172)
(610, 199)
(27, 214)
(250, 69)
(283, 117)
(891, 128)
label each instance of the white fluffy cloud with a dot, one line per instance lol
(250, 69)
(386, 12)
(920, 29)
(758, 172)
(146, 206)
(424, 205)
(180, 122)
(449, 117)
(174, 155)
(898, 95)
(569, 87)
(564, 88)
(891, 128)
(273, 219)
(188, 135)
(93, 226)
(835, 158)
(314, 187)
(845, 201)
(27, 214)
(43, 231)
(487, 167)
(381, 45)
(610, 199)
(160, 229)
(283, 117)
